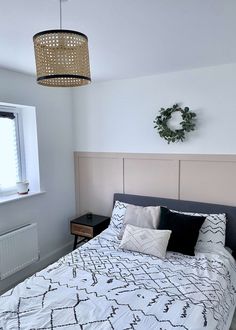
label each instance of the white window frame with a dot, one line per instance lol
(20, 144)
(20, 147)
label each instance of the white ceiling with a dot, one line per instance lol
(127, 38)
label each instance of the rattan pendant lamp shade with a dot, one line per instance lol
(62, 58)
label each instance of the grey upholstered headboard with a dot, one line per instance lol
(188, 206)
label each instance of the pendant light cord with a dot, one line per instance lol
(60, 15)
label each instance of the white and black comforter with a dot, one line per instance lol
(99, 286)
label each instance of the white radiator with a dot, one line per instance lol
(18, 249)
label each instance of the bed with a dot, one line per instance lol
(100, 286)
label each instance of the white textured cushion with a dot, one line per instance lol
(145, 217)
(212, 233)
(145, 240)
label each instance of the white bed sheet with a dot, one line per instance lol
(100, 286)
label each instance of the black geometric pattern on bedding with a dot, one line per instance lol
(130, 291)
(118, 214)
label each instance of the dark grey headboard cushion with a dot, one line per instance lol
(188, 206)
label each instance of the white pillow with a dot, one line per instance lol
(145, 240)
(212, 233)
(118, 213)
(145, 217)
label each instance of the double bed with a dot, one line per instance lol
(101, 286)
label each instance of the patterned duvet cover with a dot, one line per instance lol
(99, 286)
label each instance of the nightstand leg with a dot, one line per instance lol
(75, 242)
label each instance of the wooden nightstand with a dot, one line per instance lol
(88, 226)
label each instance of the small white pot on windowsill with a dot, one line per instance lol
(22, 187)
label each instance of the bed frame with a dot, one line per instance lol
(188, 206)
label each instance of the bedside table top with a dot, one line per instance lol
(91, 222)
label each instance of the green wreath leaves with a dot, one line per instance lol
(187, 123)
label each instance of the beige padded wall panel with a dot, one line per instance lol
(208, 181)
(151, 177)
(76, 168)
(99, 179)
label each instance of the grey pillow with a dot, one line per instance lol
(139, 216)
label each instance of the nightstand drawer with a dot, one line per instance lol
(82, 230)
(88, 226)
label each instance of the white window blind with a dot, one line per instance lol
(10, 165)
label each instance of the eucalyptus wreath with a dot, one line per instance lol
(187, 123)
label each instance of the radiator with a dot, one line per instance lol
(18, 249)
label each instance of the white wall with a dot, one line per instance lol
(118, 115)
(53, 209)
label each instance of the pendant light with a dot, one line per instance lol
(62, 57)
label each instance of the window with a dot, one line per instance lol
(18, 150)
(11, 150)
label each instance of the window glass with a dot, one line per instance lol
(10, 166)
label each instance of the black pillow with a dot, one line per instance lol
(185, 230)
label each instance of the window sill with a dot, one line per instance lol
(16, 197)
